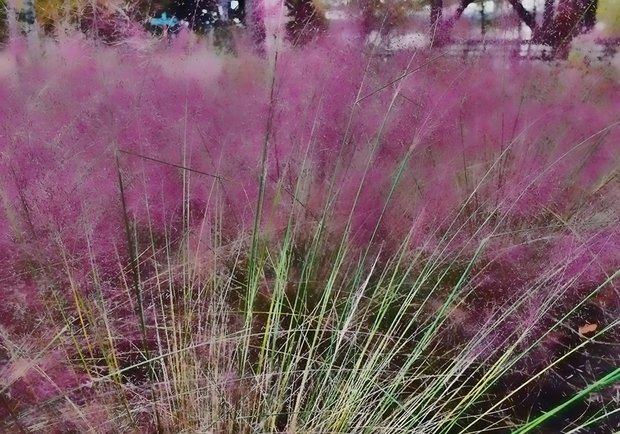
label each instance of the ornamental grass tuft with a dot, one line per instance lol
(324, 241)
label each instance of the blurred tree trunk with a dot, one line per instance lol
(526, 16)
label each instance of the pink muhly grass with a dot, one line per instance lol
(488, 153)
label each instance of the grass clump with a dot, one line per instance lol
(326, 242)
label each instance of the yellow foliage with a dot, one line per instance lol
(52, 12)
(608, 13)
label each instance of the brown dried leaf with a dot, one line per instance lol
(588, 328)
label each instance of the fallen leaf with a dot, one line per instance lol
(588, 328)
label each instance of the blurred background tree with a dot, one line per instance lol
(557, 22)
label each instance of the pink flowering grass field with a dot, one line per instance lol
(324, 241)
